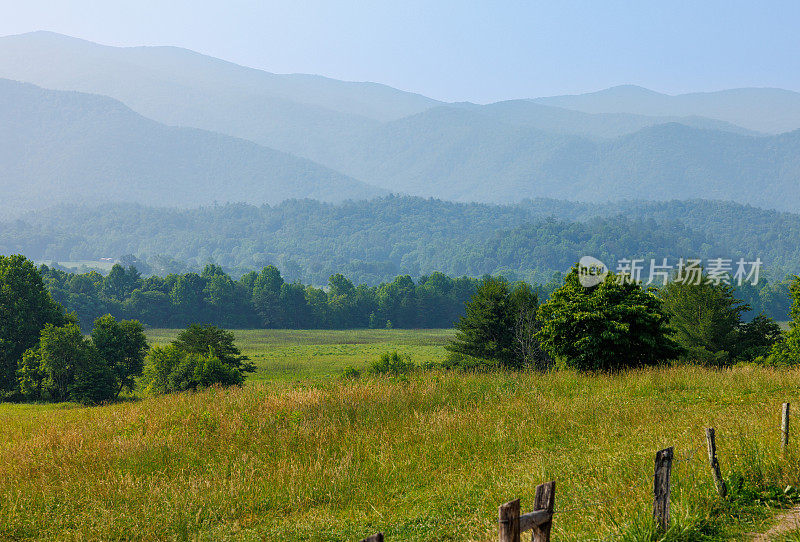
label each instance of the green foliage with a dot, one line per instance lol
(122, 346)
(200, 356)
(265, 300)
(201, 340)
(786, 352)
(374, 241)
(201, 371)
(94, 380)
(705, 318)
(466, 363)
(500, 324)
(707, 321)
(757, 338)
(161, 362)
(392, 363)
(611, 326)
(66, 366)
(351, 372)
(25, 309)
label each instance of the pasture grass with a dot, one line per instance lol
(424, 456)
(302, 355)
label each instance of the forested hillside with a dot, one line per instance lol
(374, 241)
(70, 147)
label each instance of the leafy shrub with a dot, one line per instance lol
(351, 372)
(201, 356)
(462, 362)
(392, 363)
(170, 369)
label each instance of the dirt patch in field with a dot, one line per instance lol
(788, 521)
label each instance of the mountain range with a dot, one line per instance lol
(170, 126)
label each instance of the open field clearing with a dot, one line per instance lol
(292, 355)
(425, 457)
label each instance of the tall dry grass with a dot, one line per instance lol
(427, 457)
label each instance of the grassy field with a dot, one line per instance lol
(428, 456)
(302, 355)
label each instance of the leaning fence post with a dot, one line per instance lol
(545, 500)
(661, 481)
(785, 426)
(714, 462)
(374, 538)
(508, 524)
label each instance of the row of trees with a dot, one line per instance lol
(259, 299)
(619, 324)
(265, 299)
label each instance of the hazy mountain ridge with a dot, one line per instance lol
(70, 147)
(407, 143)
(768, 110)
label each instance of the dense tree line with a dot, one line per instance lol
(259, 299)
(265, 299)
(374, 241)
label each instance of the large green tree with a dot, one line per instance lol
(499, 325)
(122, 345)
(614, 325)
(25, 308)
(706, 317)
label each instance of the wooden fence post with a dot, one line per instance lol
(785, 426)
(374, 538)
(508, 525)
(722, 489)
(661, 482)
(545, 500)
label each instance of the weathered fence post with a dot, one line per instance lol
(545, 500)
(785, 426)
(508, 526)
(722, 489)
(374, 538)
(661, 481)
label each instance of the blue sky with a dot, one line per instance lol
(476, 51)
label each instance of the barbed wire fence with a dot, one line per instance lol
(512, 522)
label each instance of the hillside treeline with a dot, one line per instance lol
(374, 241)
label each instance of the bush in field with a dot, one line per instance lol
(500, 324)
(613, 325)
(463, 362)
(199, 357)
(392, 363)
(197, 339)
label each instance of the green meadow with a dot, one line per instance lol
(300, 453)
(297, 355)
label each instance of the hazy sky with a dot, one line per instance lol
(477, 51)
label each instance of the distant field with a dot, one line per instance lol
(281, 354)
(82, 265)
